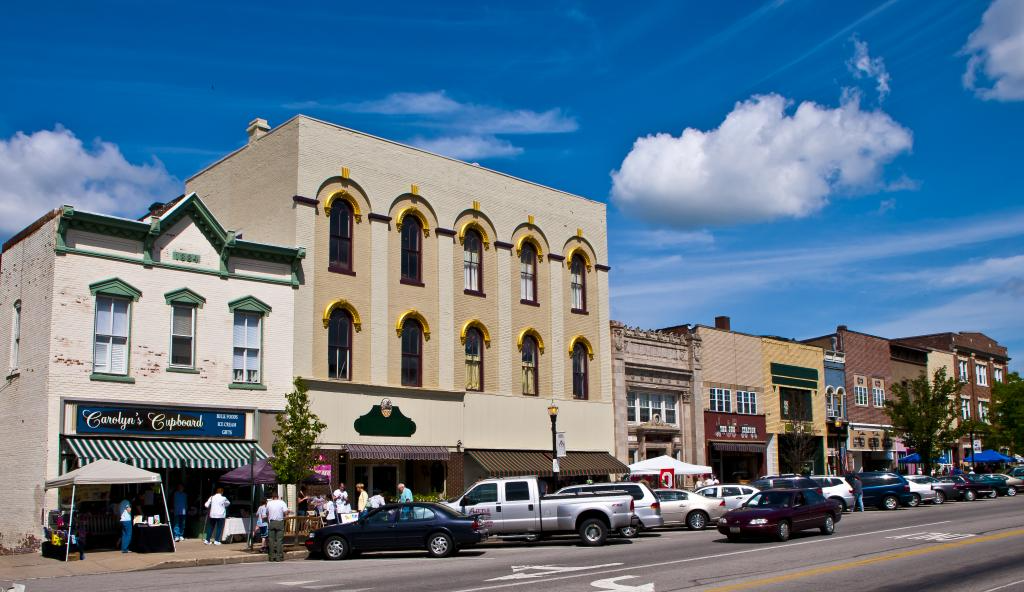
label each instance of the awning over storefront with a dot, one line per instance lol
(738, 447)
(164, 454)
(512, 463)
(396, 452)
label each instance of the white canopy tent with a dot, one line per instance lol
(104, 472)
(654, 466)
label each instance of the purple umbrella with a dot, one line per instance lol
(261, 473)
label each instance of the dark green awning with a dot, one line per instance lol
(164, 454)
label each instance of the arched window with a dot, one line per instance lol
(530, 362)
(579, 371)
(528, 274)
(412, 353)
(411, 250)
(339, 345)
(341, 237)
(472, 266)
(578, 283)
(474, 360)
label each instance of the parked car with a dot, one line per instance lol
(689, 508)
(733, 494)
(1017, 472)
(786, 482)
(885, 490)
(958, 487)
(645, 504)
(439, 530)
(836, 488)
(998, 486)
(921, 490)
(515, 506)
(781, 512)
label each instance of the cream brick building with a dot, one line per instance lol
(488, 259)
(91, 305)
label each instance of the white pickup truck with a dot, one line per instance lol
(515, 506)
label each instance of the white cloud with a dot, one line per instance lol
(763, 162)
(863, 65)
(403, 103)
(995, 68)
(994, 311)
(47, 169)
(467, 147)
(991, 271)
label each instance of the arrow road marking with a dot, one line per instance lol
(523, 572)
(612, 584)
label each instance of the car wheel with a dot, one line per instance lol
(696, 520)
(842, 503)
(890, 502)
(1011, 491)
(593, 532)
(336, 548)
(440, 545)
(782, 531)
(629, 532)
(830, 525)
(970, 496)
(940, 498)
(915, 500)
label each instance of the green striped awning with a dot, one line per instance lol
(164, 454)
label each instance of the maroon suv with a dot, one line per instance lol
(780, 512)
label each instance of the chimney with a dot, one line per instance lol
(257, 129)
(723, 323)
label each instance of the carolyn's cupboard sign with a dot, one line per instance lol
(162, 422)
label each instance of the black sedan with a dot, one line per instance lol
(780, 512)
(439, 530)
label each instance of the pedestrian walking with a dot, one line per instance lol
(180, 512)
(858, 491)
(125, 516)
(404, 494)
(218, 511)
(362, 500)
(276, 512)
(262, 525)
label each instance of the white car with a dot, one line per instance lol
(836, 488)
(921, 489)
(734, 494)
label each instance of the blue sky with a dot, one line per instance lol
(853, 163)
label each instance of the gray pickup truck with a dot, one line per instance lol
(515, 506)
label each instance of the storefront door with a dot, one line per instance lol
(384, 479)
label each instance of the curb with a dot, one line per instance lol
(206, 561)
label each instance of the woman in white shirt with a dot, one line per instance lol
(218, 505)
(331, 509)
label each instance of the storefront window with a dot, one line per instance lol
(796, 404)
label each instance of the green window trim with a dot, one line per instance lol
(247, 386)
(182, 370)
(249, 304)
(184, 296)
(115, 287)
(101, 377)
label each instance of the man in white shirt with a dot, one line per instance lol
(331, 508)
(340, 495)
(276, 512)
(218, 508)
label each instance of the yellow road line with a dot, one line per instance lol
(864, 562)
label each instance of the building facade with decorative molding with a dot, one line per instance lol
(163, 342)
(444, 307)
(656, 378)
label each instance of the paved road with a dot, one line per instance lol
(967, 547)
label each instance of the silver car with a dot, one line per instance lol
(734, 494)
(645, 505)
(836, 488)
(692, 509)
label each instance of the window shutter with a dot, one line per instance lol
(119, 355)
(100, 355)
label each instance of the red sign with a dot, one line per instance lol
(667, 479)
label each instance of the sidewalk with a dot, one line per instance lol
(190, 553)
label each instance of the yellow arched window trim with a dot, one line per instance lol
(412, 314)
(529, 238)
(475, 324)
(532, 333)
(357, 324)
(582, 253)
(347, 197)
(474, 225)
(582, 340)
(413, 211)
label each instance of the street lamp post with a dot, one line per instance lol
(553, 414)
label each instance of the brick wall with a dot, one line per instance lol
(867, 356)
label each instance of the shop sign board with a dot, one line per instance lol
(324, 470)
(155, 421)
(560, 444)
(734, 426)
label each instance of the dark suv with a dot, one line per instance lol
(785, 482)
(887, 491)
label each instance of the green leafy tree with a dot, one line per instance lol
(295, 437)
(924, 414)
(1007, 414)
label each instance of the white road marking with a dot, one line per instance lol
(523, 572)
(1005, 586)
(299, 583)
(937, 537)
(815, 541)
(612, 584)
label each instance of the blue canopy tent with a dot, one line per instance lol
(988, 456)
(915, 459)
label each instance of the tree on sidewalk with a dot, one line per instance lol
(295, 437)
(1007, 414)
(924, 414)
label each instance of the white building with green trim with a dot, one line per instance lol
(164, 342)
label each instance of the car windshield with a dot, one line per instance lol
(921, 479)
(770, 499)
